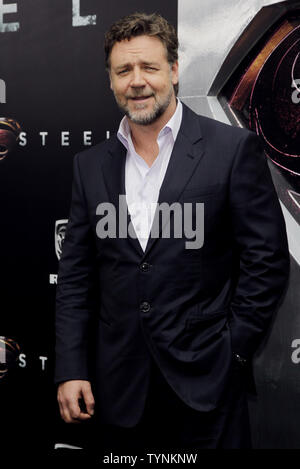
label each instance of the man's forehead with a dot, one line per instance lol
(141, 48)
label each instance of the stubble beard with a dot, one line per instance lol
(149, 117)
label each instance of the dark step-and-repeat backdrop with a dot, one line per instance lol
(55, 100)
(55, 88)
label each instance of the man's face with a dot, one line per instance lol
(142, 79)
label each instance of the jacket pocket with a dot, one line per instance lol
(199, 315)
(105, 321)
(196, 192)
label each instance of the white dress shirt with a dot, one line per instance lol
(142, 183)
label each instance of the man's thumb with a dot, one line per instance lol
(88, 399)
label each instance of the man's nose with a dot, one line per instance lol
(137, 79)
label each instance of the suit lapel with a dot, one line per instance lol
(186, 155)
(113, 168)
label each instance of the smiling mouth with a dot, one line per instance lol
(140, 98)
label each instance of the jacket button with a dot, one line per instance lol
(144, 307)
(145, 267)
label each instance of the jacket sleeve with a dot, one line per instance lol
(74, 287)
(261, 246)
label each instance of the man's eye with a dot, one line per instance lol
(122, 72)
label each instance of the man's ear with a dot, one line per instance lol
(174, 70)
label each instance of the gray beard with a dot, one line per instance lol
(150, 118)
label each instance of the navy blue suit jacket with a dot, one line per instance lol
(189, 309)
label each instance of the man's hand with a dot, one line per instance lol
(76, 401)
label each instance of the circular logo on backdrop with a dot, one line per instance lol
(263, 95)
(9, 353)
(60, 232)
(9, 135)
(274, 104)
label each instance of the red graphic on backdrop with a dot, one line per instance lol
(9, 135)
(278, 119)
(9, 354)
(264, 96)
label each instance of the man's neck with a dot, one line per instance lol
(144, 137)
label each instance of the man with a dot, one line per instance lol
(176, 324)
